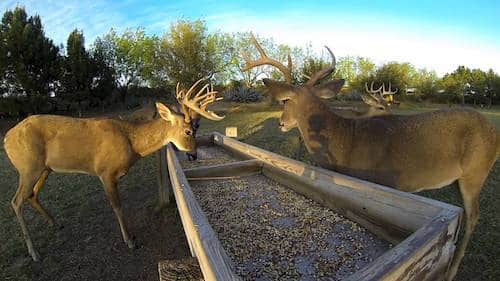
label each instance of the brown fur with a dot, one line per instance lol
(106, 148)
(410, 153)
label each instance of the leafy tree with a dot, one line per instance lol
(29, 60)
(426, 83)
(130, 55)
(103, 81)
(77, 77)
(347, 69)
(187, 53)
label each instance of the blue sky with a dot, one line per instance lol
(438, 35)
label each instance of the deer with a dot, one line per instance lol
(102, 147)
(148, 112)
(410, 153)
(377, 105)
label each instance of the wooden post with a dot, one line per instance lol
(164, 186)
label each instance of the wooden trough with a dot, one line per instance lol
(423, 231)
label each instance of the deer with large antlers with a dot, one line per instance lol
(377, 104)
(106, 148)
(410, 153)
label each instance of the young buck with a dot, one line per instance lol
(377, 105)
(148, 112)
(410, 153)
(106, 148)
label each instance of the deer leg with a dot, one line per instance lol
(34, 198)
(470, 189)
(24, 191)
(110, 187)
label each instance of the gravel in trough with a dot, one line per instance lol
(207, 155)
(274, 233)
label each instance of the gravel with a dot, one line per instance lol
(207, 155)
(271, 232)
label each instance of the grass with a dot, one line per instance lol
(71, 197)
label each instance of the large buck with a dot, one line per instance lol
(106, 148)
(409, 153)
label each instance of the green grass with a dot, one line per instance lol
(260, 128)
(67, 197)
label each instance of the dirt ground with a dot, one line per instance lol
(86, 243)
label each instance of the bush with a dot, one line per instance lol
(243, 95)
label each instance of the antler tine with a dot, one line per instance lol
(265, 60)
(323, 72)
(371, 90)
(190, 91)
(178, 92)
(201, 100)
(388, 92)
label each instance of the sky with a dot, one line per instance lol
(437, 35)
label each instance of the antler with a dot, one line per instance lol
(379, 93)
(265, 60)
(371, 91)
(323, 72)
(390, 92)
(199, 102)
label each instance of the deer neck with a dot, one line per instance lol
(148, 137)
(327, 136)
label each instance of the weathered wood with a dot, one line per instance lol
(164, 187)
(338, 199)
(213, 260)
(205, 140)
(240, 168)
(425, 229)
(179, 270)
(425, 255)
(377, 204)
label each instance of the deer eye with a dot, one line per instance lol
(284, 101)
(188, 132)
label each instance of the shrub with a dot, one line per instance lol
(243, 95)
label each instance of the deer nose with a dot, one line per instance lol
(282, 124)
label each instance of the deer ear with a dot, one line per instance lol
(164, 111)
(279, 90)
(329, 89)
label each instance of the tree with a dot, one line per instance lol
(30, 61)
(185, 54)
(130, 55)
(77, 77)
(400, 75)
(103, 82)
(426, 83)
(347, 69)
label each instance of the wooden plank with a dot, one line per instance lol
(164, 187)
(376, 203)
(338, 200)
(240, 168)
(205, 140)
(425, 255)
(179, 270)
(213, 260)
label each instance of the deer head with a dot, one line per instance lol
(195, 107)
(375, 99)
(294, 98)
